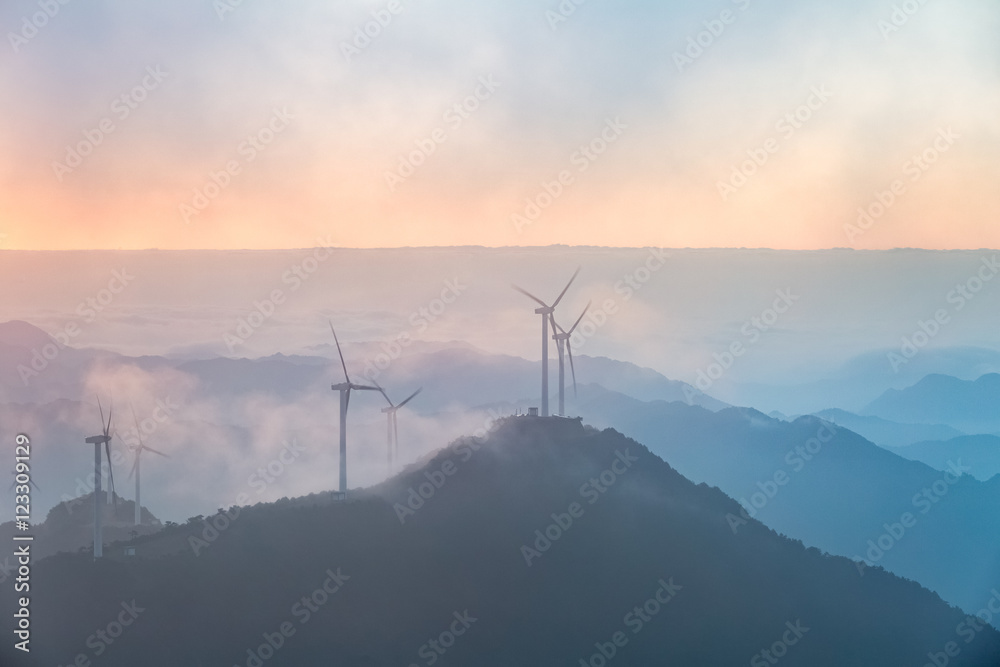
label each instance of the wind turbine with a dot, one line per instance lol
(392, 430)
(546, 312)
(97, 441)
(137, 466)
(562, 343)
(14, 483)
(345, 398)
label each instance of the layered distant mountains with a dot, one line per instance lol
(971, 406)
(830, 488)
(544, 543)
(229, 419)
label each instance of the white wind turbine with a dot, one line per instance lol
(392, 429)
(14, 483)
(137, 466)
(562, 343)
(97, 441)
(345, 398)
(546, 312)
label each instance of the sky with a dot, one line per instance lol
(732, 123)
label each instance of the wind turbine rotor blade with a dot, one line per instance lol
(13, 482)
(387, 399)
(111, 472)
(579, 319)
(530, 296)
(410, 397)
(556, 329)
(367, 388)
(158, 453)
(107, 431)
(135, 464)
(561, 294)
(569, 350)
(342, 363)
(138, 431)
(347, 398)
(101, 408)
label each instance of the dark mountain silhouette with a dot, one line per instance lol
(649, 572)
(69, 526)
(980, 452)
(836, 495)
(970, 406)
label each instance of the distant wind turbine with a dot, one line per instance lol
(97, 441)
(345, 398)
(546, 312)
(562, 343)
(14, 483)
(392, 430)
(137, 466)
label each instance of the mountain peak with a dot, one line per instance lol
(18, 333)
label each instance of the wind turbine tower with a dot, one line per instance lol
(97, 441)
(562, 343)
(137, 467)
(392, 429)
(345, 398)
(546, 312)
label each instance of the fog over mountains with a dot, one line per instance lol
(830, 349)
(789, 465)
(484, 564)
